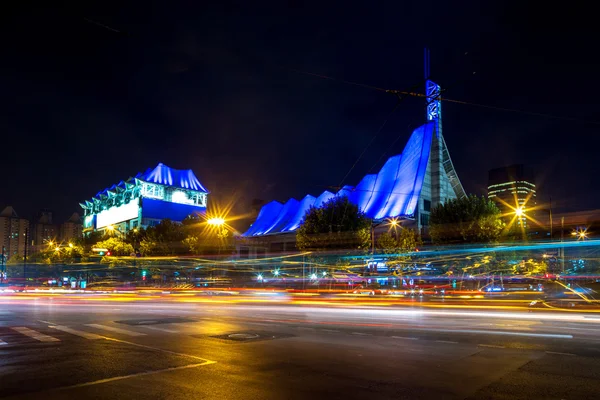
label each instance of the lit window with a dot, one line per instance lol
(181, 197)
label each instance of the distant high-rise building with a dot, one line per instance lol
(43, 230)
(13, 232)
(71, 228)
(512, 188)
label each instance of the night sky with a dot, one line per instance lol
(215, 88)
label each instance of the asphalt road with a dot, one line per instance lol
(57, 348)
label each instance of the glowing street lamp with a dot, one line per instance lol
(71, 245)
(519, 212)
(57, 249)
(216, 221)
(276, 272)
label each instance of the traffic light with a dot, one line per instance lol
(144, 273)
(453, 283)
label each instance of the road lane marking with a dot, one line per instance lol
(559, 353)
(118, 378)
(493, 346)
(404, 337)
(117, 330)
(2, 342)
(361, 334)
(34, 334)
(545, 335)
(159, 349)
(155, 328)
(75, 332)
(446, 341)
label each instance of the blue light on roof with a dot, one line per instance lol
(183, 178)
(434, 102)
(161, 174)
(393, 192)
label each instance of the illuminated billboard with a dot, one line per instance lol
(114, 215)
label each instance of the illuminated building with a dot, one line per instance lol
(43, 230)
(71, 228)
(512, 188)
(407, 187)
(145, 200)
(13, 232)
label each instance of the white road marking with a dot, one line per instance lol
(118, 378)
(546, 335)
(491, 345)
(404, 337)
(155, 328)
(159, 349)
(117, 330)
(2, 342)
(361, 334)
(46, 322)
(75, 332)
(34, 334)
(446, 341)
(560, 354)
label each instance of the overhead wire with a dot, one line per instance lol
(449, 100)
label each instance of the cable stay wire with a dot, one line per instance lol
(370, 143)
(449, 100)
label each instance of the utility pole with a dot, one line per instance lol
(25, 254)
(551, 237)
(562, 246)
(3, 264)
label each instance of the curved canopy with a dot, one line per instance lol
(393, 192)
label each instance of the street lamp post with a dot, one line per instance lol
(392, 222)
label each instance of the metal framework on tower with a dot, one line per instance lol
(433, 93)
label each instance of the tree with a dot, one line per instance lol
(148, 247)
(117, 247)
(166, 238)
(387, 243)
(92, 238)
(470, 219)
(193, 243)
(336, 224)
(400, 240)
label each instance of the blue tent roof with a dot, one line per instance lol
(183, 178)
(393, 192)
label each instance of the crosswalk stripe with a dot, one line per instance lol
(117, 330)
(155, 328)
(83, 334)
(2, 342)
(34, 334)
